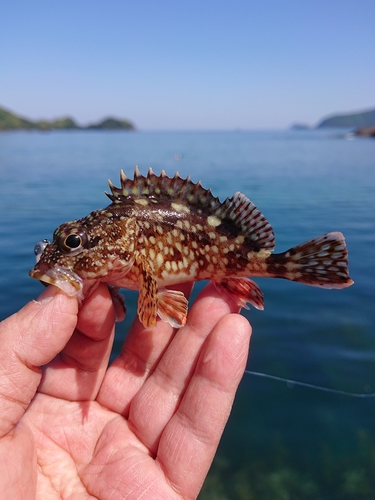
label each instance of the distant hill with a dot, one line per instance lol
(351, 120)
(60, 124)
(111, 124)
(300, 126)
(11, 121)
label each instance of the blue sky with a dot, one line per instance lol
(236, 64)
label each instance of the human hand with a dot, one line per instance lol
(146, 427)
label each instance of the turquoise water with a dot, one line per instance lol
(282, 441)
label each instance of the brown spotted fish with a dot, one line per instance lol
(161, 231)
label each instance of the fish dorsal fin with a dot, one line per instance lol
(237, 210)
(247, 217)
(161, 187)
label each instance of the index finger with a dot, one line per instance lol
(78, 370)
(196, 427)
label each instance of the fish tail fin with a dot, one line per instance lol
(321, 262)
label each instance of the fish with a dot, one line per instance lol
(161, 231)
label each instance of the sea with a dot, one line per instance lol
(283, 441)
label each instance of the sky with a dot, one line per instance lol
(188, 65)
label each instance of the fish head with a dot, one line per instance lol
(59, 262)
(82, 253)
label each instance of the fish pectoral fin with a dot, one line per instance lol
(172, 307)
(148, 293)
(242, 290)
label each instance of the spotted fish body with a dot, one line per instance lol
(161, 231)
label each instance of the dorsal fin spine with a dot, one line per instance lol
(137, 173)
(238, 209)
(249, 219)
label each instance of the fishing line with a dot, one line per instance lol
(292, 383)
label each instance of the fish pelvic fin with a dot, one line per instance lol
(321, 262)
(242, 290)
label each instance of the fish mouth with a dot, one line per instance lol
(65, 279)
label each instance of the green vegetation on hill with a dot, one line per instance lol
(10, 121)
(111, 124)
(62, 123)
(352, 120)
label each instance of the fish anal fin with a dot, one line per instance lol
(172, 307)
(242, 290)
(148, 293)
(249, 219)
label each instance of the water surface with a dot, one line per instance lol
(281, 439)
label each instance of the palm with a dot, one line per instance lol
(89, 457)
(149, 425)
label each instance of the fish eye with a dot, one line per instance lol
(73, 242)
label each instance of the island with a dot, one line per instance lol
(300, 126)
(349, 120)
(361, 123)
(111, 124)
(10, 121)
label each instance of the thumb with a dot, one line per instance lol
(29, 339)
